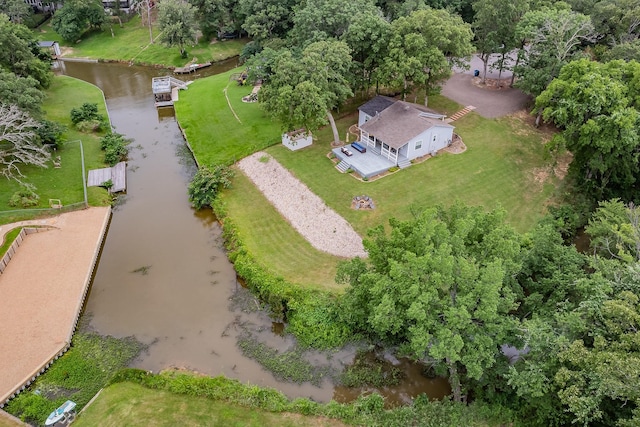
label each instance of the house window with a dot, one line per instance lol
(418, 145)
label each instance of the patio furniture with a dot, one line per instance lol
(346, 151)
(358, 147)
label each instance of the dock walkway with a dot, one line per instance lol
(116, 174)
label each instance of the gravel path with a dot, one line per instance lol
(307, 213)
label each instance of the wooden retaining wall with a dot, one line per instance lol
(16, 244)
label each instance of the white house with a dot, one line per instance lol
(401, 131)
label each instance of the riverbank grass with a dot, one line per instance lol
(134, 405)
(78, 375)
(63, 183)
(220, 128)
(131, 42)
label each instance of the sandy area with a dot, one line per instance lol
(306, 212)
(42, 291)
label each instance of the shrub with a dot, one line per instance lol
(115, 148)
(88, 111)
(50, 133)
(86, 118)
(26, 197)
(206, 184)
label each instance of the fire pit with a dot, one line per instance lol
(362, 202)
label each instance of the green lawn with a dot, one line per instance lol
(131, 42)
(134, 405)
(214, 133)
(504, 166)
(499, 168)
(64, 183)
(503, 160)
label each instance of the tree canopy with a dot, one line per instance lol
(422, 48)
(76, 17)
(176, 20)
(438, 287)
(20, 54)
(302, 90)
(19, 143)
(596, 106)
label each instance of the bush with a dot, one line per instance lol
(50, 133)
(86, 118)
(206, 183)
(115, 148)
(88, 111)
(26, 197)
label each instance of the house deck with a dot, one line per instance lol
(117, 175)
(367, 164)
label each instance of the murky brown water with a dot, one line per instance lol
(163, 275)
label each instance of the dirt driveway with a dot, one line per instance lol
(489, 102)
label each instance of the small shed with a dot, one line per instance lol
(50, 46)
(297, 139)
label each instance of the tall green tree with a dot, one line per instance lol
(16, 10)
(368, 38)
(177, 23)
(19, 53)
(302, 90)
(596, 106)
(215, 17)
(554, 36)
(422, 49)
(600, 377)
(317, 20)
(21, 91)
(494, 27)
(76, 17)
(439, 287)
(266, 19)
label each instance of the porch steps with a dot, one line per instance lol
(466, 110)
(404, 163)
(343, 166)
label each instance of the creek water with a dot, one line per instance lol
(163, 275)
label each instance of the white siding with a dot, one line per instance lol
(362, 118)
(442, 134)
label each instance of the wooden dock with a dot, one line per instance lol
(191, 68)
(117, 175)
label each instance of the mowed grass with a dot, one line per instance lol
(134, 405)
(131, 42)
(502, 167)
(275, 244)
(214, 133)
(64, 183)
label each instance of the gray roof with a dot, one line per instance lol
(46, 44)
(376, 105)
(161, 85)
(400, 123)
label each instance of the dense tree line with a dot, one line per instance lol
(24, 73)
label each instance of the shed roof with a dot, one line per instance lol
(161, 85)
(399, 123)
(46, 43)
(376, 105)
